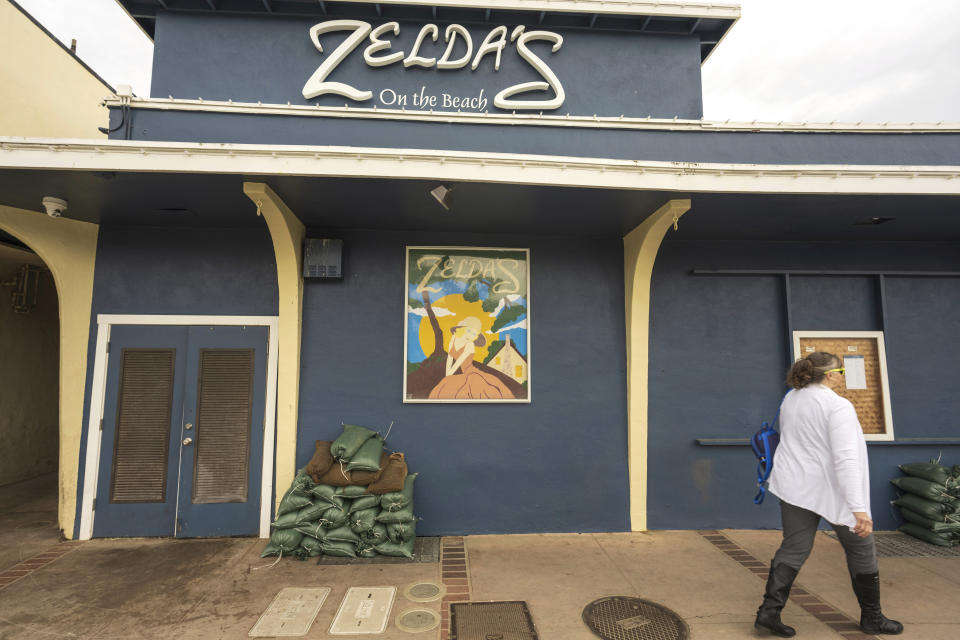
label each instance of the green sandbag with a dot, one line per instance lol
(366, 549)
(336, 517)
(949, 477)
(927, 523)
(311, 546)
(363, 503)
(367, 457)
(397, 549)
(403, 515)
(352, 491)
(399, 499)
(341, 534)
(941, 540)
(314, 529)
(350, 441)
(312, 513)
(326, 492)
(376, 534)
(340, 549)
(923, 488)
(293, 500)
(282, 542)
(926, 508)
(401, 531)
(363, 520)
(286, 521)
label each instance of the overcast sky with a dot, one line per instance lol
(791, 60)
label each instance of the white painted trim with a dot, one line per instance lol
(526, 119)
(468, 166)
(882, 361)
(98, 393)
(662, 8)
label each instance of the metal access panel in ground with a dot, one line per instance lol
(484, 620)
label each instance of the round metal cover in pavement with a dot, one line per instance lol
(418, 620)
(625, 618)
(424, 591)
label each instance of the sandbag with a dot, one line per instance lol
(367, 457)
(365, 502)
(363, 520)
(366, 549)
(392, 477)
(340, 549)
(314, 529)
(926, 523)
(401, 531)
(321, 461)
(350, 441)
(293, 500)
(366, 478)
(312, 513)
(941, 540)
(325, 492)
(338, 476)
(336, 517)
(396, 500)
(402, 515)
(397, 549)
(353, 491)
(286, 521)
(282, 542)
(923, 488)
(341, 534)
(949, 477)
(311, 547)
(376, 534)
(927, 508)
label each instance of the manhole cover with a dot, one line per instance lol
(417, 620)
(424, 592)
(491, 621)
(624, 618)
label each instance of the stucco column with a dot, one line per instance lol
(287, 233)
(69, 249)
(640, 248)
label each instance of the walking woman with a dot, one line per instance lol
(820, 471)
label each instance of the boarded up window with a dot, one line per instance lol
(142, 438)
(224, 405)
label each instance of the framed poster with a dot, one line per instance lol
(467, 325)
(865, 382)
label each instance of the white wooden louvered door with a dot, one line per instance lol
(183, 432)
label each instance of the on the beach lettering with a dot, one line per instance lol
(458, 53)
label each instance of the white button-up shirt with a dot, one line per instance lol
(821, 463)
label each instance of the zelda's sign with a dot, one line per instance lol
(458, 53)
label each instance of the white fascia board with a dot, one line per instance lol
(664, 8)
(526, 119)
(467, 166)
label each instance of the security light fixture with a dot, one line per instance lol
(442, 195)
(54, 206)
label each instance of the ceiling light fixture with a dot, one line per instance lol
(442, 195)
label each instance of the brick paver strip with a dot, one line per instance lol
(840, 622)
(37, 561)
(455, 573)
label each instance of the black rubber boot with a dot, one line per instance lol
(872, 620)
(779, 583)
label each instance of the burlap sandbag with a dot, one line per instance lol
(392, 477)
(321, 461)
(338, 476)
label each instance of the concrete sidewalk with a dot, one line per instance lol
(218, 588)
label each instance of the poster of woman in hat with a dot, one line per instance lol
(467, 315)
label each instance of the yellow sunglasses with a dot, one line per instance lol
(841, 371)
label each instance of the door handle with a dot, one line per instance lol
(187, 441)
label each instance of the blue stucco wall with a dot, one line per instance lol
(171, 270)
(251, 58)
(718, 358)
(557, 464)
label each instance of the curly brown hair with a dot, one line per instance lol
(811, 369)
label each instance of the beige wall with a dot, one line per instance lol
(44, 91)
(29, 395)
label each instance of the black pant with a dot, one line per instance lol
(799, 531)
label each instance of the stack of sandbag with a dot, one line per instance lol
(352, 499)
(930, 503)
